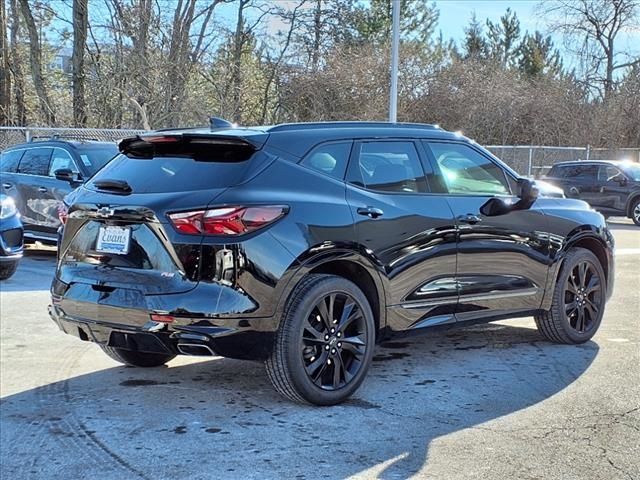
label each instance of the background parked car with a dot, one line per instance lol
(611, 187)
(11, 237)
(37, 175)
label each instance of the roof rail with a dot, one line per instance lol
(348, 124)
(57, 136)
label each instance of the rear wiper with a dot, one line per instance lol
(113, 185)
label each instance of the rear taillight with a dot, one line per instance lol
(63, 212)
(227, 220)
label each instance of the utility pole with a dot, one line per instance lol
(395, 47)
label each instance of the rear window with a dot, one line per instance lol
(556, 172)
(35, 161)
(94, 158)
(9, 160)
(170, 174)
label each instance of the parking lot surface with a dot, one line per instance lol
(489, 401)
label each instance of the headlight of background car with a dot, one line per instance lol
(7, 207)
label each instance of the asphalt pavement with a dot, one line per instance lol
(489, 401)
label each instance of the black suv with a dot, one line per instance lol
(305, 244)
(610, 187)
(38, 174)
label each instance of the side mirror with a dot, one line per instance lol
(495, 206)
(67, 175)
(620, 178)
(528, 192)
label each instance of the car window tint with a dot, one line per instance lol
(582, 172)
(607, 172)
(556, 172)
(61, 159)
(467, 172)
(35, 161)
(94, 158)
(389, 167)
(9, 160)
(329, 158)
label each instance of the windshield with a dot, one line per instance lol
(94, 158)
(633, 171)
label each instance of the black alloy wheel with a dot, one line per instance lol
(325, 342)
(578, 300)
(334, 341)
(583, 297)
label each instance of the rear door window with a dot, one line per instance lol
(583, 173)
(35, 161)
(392, 166)
(9, 161)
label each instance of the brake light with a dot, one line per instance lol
(63, 213)
(226, 220)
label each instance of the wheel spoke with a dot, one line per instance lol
(338, 369)
(357, 349)
(350, 313)
(326, 314)
(570, 307)
(317, 336)
(316, 368)
(580, 322)
(592, 309)
(593, 285)
(582, 272)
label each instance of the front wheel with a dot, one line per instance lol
(7, 269)
(137, 359)
(325, 342)
(578, 300)
(635, 212)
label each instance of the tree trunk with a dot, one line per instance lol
(317, 36)
(35, 57)
(236, 72)
(20, 117)
(80, 25)
(5, 83)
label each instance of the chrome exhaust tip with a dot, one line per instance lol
(195, 350)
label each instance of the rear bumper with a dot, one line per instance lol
(235, 338)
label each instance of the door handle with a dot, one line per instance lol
(469, 219)
(42, 189)
(7, 185)
(370, 212)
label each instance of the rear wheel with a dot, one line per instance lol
(578, 300)
(7, 269)
(137, 359)
(325, 342)
(635, 211)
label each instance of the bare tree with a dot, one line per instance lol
(80, 25)
(5, 84)
(594, 27)
(20, 115)
(35, 57)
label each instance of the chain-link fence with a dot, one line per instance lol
(14, 135)
(533, 161)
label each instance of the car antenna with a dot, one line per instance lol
(216, 122)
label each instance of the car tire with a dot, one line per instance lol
(137, 359)
(7, 270)
(324, 345)
(635, 211)
(578, 300)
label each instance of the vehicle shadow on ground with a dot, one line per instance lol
(622, 224)
(221, 418)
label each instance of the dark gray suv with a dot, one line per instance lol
(37, 175)
(611, 187)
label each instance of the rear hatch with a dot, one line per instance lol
(118, 234)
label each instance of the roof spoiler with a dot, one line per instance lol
(199, 147)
